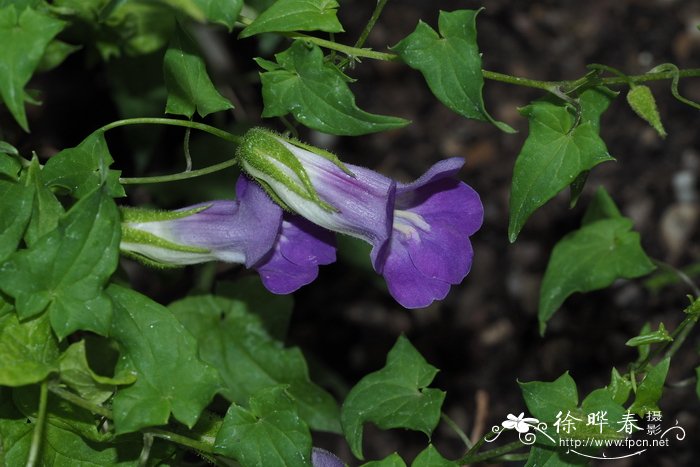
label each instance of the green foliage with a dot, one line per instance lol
(64, 272)
(269, 433)
(392, 460)
(46, 209)
(163, 355)
(651, 337)
(555, 153)
(15, 211)
(591, 258)
(642, 101)
(296, 15)
(316, 92)
(450, 63)
(430, 457)
(232, 339)
(28, 350)
(25, 35)
(396, 396)
(619, 387)
(189, 86)
(650, 389)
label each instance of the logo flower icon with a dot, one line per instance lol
(519, 423)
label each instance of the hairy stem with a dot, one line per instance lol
(225, 135)
(181, 440)
(490, 454)
(79, 401)
(452, 424)
(179, 176)
(372, 21)
(38, 435)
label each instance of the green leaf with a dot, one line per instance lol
(619, 387)
(275, 311)
(555, 153)
(163, 355)
(650, 389)
(46, 209)
(651, 337)
(189, 86)
(451, 63)
(25, 36)
(317, 94)
(9, 166)
(545, 399)
(75, 372)
(430, 457)
(15, 212)
(392, 460)
(270, 433)
(28, 350)
(55, 54)
(296, 15)
(64, 272)
(602, 207)
(65, 444)
(396, 396)
(224, 12)
(81, 169)
(641, 100)
(591, 258)
(232, 339)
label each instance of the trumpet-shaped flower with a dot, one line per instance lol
(419, 232)
(249, 230)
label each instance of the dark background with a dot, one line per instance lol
(484, 335)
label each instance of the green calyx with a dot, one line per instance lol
(262, 155)
(132, 215)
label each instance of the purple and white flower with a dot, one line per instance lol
(419, 231)
(250, 230)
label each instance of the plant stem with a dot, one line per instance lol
(451, 423)
(179, 176)
(518, 81)
(225, 135)
(79, 401)
(38, 435)
(372, 21)
(490, 454)
(181, 440)
(346, 49)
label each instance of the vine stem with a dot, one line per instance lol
(181, 440)
(179, 176)
(370, 24)
(225, 135)
(490, 454)
(38, 435)
(452, 424)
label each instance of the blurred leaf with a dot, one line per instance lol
(602, 207)
(555, 153)
(80, 170)
(591, 258)
(65, 270)
(189, 86)
(24, 36)
(392, 460)
(450, 63)
(28, 350)
(46, 209)
(650, 389)
(316, 93)
(234, 341)
(296, 15)
(134, 27)
(275, 311)
(643, 350)
(641, 100)
(269, 434)
(77, 375)
(163, 355)
(56, 52)
(15, 212)
(619, 387)
(430, 457)
(9, 166)
(224, 12)
(63, 445)
(545, 399)
(652, 337)
(396, 396)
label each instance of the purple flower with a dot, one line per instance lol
(250, 230)
(419, 232)
(322, 458)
